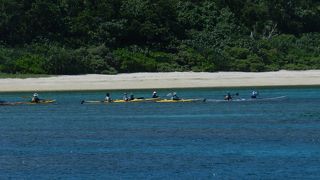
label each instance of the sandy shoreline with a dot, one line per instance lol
(162, 80)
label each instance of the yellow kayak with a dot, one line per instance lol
(137, 100)
(121, 101)
(152, 99)
(40, 102)
(181, 100)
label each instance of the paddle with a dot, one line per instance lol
(229, 96)
(25, 97)
(171, 94)
(236, 94)
(84, 101)
(29, 97)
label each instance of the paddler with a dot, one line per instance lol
(254, 94)
(174, 96)
(125, 97)
(154, 94)
(107, 98)
(35, 98)
(131, 97)
(228, 97)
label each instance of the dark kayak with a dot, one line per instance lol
(248, 100)
(3, 103)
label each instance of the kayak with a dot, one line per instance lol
(121, 101)
(7, 104)
(137, 100)
(29, 103)
(248, 100)
(41, 102)
(181, 100)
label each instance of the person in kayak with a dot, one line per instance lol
(107, 98)
(125, 97)
(174, 96)
(154, 94)
(254, 94)
(35, 98)
(131, 97)
(228, 97)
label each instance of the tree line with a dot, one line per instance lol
(124, 36)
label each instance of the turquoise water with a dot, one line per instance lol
(277, 139)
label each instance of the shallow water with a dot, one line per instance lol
(277, 139)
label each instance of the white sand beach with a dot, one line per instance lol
(161, 80)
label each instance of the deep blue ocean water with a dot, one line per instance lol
(277, 139)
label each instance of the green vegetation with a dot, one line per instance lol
(113, 36)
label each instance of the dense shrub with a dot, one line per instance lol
(107, 37)
(134, 61)
(30, 64)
